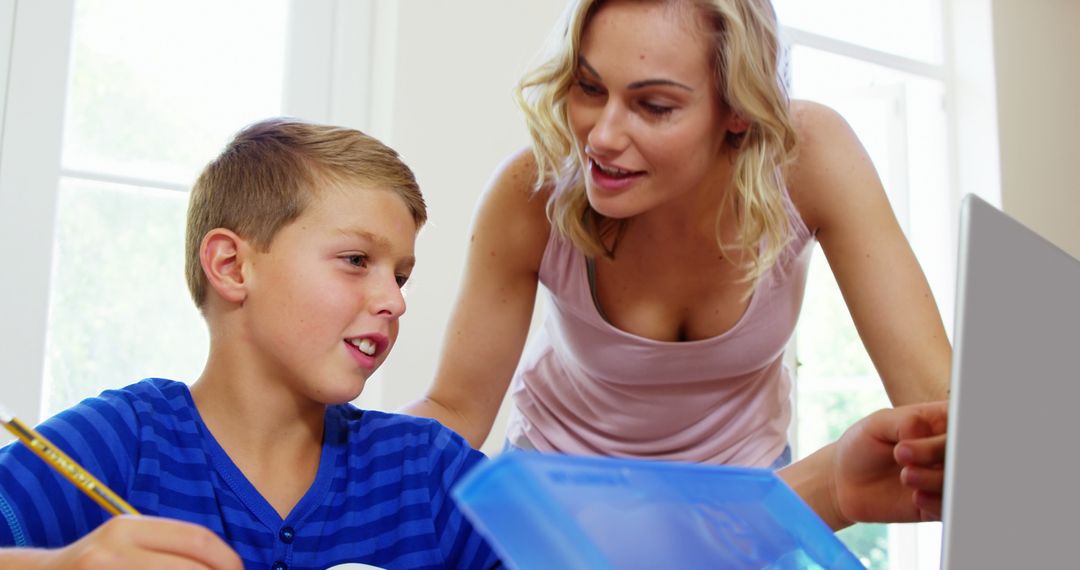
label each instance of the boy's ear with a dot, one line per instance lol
(222, 254)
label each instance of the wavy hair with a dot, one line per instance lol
(749, 77)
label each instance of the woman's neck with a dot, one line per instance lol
(694, 214)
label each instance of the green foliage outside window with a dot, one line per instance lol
(837, 385)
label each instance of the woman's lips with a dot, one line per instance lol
(610, 178)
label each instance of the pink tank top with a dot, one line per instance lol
(586, 387)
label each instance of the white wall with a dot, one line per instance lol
(36, 38)
(1038, 82)
(7, 30)
(453, 120)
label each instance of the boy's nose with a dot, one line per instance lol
(388, 300)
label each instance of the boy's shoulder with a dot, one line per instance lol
(157, 388)
(380, 418)
(152, 408)
(374, 428)
(157, 396)
(148, 388)
(154, 395)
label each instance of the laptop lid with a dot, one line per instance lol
(1011, 497)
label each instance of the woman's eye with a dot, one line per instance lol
(589, 89)
(657, 110)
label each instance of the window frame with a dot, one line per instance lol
(967, 80)
(328, 66)
(38, 38)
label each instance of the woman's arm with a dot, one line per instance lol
(836, 189)
(490, 320)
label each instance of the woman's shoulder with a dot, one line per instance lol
(812, 119)
(517, 175)
(804, 111)
(512, 199)
(826, 147)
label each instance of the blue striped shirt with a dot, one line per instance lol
(380, 496)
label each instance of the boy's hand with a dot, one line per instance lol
(140, 542)
(889, 467)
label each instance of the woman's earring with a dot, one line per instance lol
(737, 124)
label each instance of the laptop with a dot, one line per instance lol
(1011, 497)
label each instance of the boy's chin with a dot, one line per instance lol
(345, 394)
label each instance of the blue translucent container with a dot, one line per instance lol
(558, 512)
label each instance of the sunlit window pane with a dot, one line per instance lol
(119, 307)
(156, 88)
(908, 28)
(899, 118)
(837, 386)
(155, 91)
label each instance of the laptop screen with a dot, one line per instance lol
(1011, 497)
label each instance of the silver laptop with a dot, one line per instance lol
(1012, 476)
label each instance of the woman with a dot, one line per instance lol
(668, 206)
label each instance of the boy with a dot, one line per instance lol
(299, 239)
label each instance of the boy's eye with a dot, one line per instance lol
(402, 280)
(357, 260)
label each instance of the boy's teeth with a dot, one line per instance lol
(367, 346)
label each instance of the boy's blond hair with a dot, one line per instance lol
(747, 65)
(268, 174)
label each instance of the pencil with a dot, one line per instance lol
(67, 466)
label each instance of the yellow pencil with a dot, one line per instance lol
(67, 467)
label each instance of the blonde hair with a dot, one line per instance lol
(747, 60)
(268, 174)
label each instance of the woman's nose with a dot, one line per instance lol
(608, 137)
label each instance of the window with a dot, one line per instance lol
(154, 91)
(882, 65)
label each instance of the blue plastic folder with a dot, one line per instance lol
(545, 511)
